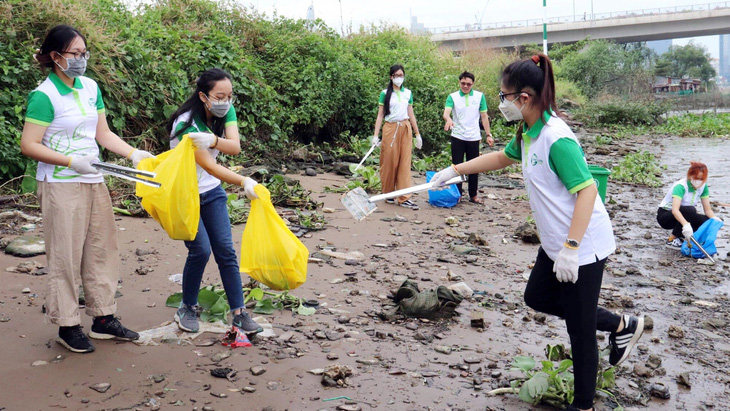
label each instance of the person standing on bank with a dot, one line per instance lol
(210, 120)
(678, 212)
(468, 106)
(64, 121)
(575, 230)
(395, 106)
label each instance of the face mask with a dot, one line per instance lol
(75, 68)
(398, 81)
(510, 111)
(697, 183)
(219, 109)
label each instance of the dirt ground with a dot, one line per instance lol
(396, 365)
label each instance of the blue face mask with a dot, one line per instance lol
(74, 68)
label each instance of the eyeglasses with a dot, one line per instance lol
(78, 55)
(229, 99)
(503, 95)
(466, 84)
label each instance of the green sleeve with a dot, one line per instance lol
(381, 100)
(678, 191)
(410, 101)
(40, 110)
(513, 151)
(184, 128)
(449, 102)
(99, 101)
(705, 192)
(483, 104)
(569, 163)
(231, 117)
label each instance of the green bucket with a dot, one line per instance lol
(600, 176)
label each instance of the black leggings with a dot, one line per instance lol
(577, 304)
(666, 219)
(471, 149)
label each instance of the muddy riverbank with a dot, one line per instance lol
(396, 364)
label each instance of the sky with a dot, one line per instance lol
(440, 13)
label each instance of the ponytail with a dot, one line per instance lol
(389, 91)
(535, 73)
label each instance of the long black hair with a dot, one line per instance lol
(389, 90)
(204, 84)
(536, 73)
(57, 39)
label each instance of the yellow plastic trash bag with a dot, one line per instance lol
(175, 205)
(270, 252)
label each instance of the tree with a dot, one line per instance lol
(690, 60)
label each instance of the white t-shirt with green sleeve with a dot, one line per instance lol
(555, 169)
(466, 110)
(682, 189)
(184, 124)
(399, 102)
(70, 115)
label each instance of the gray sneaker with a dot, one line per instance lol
(246, 324)
(187, 318)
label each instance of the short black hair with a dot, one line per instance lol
(467, 75)
(58, 39)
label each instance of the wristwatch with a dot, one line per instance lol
(572, 243)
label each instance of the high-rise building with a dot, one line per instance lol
(724, 56)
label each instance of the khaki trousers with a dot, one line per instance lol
(81, 247)
(395, 157)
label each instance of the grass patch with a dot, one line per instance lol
(639, 168)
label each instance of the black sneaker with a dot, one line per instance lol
(74, 339)
(108, 327)
(409, 204)
(246, 323)
(622, 342)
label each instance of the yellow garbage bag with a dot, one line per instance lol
(270, 252)
(176, 204)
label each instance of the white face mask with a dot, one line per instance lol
(398, 81)
(697, 183)
(510, 111)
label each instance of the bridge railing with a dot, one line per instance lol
(578, 18)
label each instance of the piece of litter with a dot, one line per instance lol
(176, 278)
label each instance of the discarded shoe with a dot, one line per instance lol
(434, 303)
(223, 372)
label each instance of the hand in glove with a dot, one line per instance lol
(566, 266)
(139, 155)
(376, 141)
(202, 140)
(687, 231)
(82, 164)
(439, 179)
(419, 141)
(248, 185)
(717, 218)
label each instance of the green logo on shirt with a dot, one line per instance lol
(534, 160)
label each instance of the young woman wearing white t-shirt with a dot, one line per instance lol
(65, 119)
(575, 231)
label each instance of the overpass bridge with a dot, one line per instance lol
(622, 27)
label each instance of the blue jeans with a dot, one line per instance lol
(214, 232)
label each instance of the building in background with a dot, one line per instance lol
(724, 67)
(416, 27)
(659, 46)
(310, 12)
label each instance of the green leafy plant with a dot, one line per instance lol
(237, 208)
(289, 195)
(603, 140)
(212, 300)
(366, 177)
(640, 168)
(267, 302)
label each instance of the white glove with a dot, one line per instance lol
(687, 231)
(419, 141)
(442, 177)
(139, 155)
(566, 266)
(202, 140)
(248, 185)
(82, 164)
(717, 218)
(376, 141)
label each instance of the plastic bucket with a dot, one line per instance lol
(600, 176)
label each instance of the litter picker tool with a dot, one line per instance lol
(366, 156)
(360, 205)
(692, 241)
(128, 173)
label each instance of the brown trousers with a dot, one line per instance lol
(395, 157)
(81, 248)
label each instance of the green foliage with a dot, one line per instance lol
(622, 111)
(366, 177)
(237, 208)
(690, 60)
(640, 168)
(694, 125)
(212, 301)
(267, 302)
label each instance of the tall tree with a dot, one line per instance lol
(691, 60)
